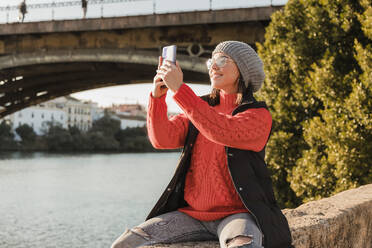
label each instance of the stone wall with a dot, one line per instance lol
(341, 221)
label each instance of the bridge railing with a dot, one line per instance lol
(48, 10)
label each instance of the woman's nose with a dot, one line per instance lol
(214, 66)
(211, 70)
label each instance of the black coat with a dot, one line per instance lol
(251, 179)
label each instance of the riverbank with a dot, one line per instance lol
(104, 136)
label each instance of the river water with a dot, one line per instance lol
(65, 201)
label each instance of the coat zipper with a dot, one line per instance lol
(256, 219)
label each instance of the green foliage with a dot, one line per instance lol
(80, 140)
(134, 140)
(107, 125)
(101, 135)
(26, 133)
(6, 131)
(30, 141)
(6, 137)
(58, 138)
(317, 57)
(101, 142)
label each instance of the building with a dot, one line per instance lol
(97, 112)
(38, 117)
(128, 109)
(129, 115)
(68, 111)
(130, 121)
(65, 111)
(79, 114)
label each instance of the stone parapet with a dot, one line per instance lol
(340, 221)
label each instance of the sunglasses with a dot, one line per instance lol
(219, 61)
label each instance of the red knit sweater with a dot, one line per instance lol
(209, 190)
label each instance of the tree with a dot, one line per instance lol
(26, 133)
(58, 138)
(102, 133)
(107, 125)
(80, 140)
(7, 141)
(317, 57)
(101, 142)
(134, 139)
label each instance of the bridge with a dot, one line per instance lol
(42, 60)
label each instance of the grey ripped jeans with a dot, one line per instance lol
(174, 227)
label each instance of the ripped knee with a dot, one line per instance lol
(131, 238)
(239, 241)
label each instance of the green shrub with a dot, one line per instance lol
(317, 57)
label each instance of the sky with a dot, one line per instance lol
(132, 93)
(129, 94)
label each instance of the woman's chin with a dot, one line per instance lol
(216, 84)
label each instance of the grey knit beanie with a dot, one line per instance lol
(249, 63)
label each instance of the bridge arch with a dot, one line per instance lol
(31, 78)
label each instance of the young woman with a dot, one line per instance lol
(221, 189)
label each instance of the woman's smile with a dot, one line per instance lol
(216, 75)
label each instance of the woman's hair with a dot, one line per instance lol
(242, 91)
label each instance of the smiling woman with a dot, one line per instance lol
(221, 189)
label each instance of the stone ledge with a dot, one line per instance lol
(343, 220)
(340, 221)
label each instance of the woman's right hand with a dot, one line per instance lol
(157, 89)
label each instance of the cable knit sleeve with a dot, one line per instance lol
(165, 133)
(247, 130)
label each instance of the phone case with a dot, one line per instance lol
(169, 53)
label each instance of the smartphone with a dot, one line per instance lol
(169, 53)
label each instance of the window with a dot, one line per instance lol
(32, 115)
(42, 116)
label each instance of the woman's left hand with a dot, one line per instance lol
(171, 74)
